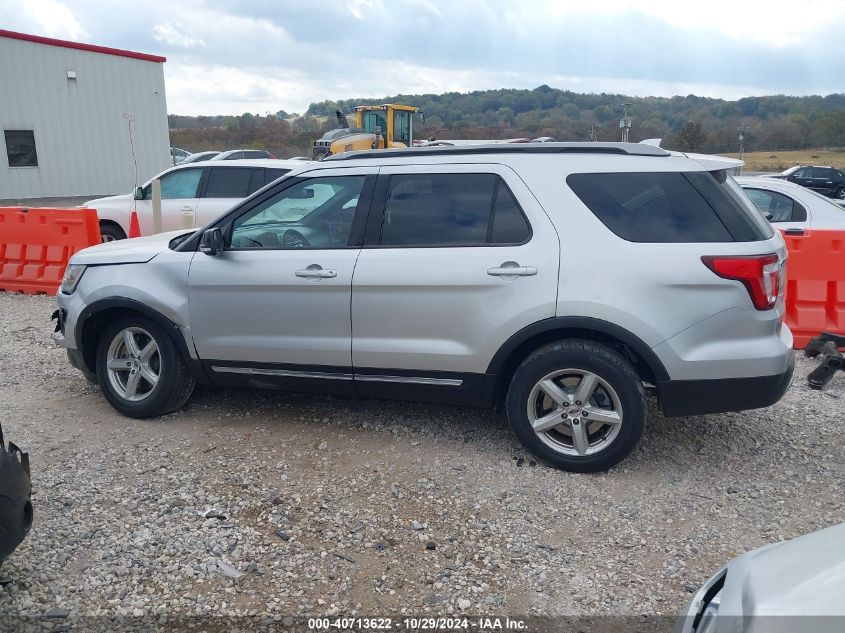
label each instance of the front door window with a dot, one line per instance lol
(314, 213)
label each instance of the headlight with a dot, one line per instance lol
(707, 623)
(701, 613)
(73, 273)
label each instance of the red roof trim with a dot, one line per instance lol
(49, 41)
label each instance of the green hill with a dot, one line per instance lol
(688, 123)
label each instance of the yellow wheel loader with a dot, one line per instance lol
(376, 127)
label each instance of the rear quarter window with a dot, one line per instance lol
(669, 207)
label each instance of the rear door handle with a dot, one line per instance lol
(315, 271)
(512, 269)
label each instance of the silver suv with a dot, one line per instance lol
(557, 281)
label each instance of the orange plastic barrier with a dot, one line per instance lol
(36, 244)
(815, 286)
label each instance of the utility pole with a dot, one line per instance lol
(625, 121)
(593, 136)
(741, 129)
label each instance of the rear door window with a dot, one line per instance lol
(229, 182)
(823, 172)
(781, 208)
(451, 210)
(670, 207)
(273, 174)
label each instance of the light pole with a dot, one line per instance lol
(741, 129)
(625, 121)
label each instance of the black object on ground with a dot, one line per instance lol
(15, 497)
(826, 346)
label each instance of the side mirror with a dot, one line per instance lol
(211, 242)
(139, 193)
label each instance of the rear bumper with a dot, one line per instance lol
(697, 397)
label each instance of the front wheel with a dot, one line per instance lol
(140, 371)
(577, 405)
(841, 194)
(111, 232)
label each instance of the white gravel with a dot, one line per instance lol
(275, 505)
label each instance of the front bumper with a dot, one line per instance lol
(15, 497)
(698, 397)
(690, 620)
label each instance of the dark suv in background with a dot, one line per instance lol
(828, 181)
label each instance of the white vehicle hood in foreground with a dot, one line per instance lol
(801, 577)
(122, 201)
(133, 251)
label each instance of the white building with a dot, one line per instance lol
(78, 119)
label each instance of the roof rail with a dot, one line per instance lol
(630, 149)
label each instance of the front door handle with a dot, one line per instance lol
(512, 270)
(794, 232)
(315, 271)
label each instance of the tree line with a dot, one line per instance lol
(689, 123)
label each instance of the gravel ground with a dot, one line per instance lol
(340, 506)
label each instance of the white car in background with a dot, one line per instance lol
(203, 190)
(791, 207)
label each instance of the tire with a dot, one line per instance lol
(111, 232)
(543, 392)
(840, 194)
(15, 503)
(129, 387)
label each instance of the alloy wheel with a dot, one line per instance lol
(133, 363)
(575, 412)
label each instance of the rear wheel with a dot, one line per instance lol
(841, 194)
(578, 405)
(111, 232)
(140, 371)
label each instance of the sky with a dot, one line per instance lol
(258, 56)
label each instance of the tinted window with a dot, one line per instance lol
(256, 154)
(20, 148)
(234, 156)
(649, 207)
(181, 183)
(273, 174)
(823, 172)
(743, 220)
(509, 224)
(449, 210)
(313, 213)
(229, 182)
(781, 208)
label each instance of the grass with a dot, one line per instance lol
(779, 160)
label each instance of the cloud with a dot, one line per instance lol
(261, 55)
(44, 17)
(175, 35)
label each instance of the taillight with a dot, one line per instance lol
(760, 274)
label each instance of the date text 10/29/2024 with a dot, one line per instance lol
(417, 624)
